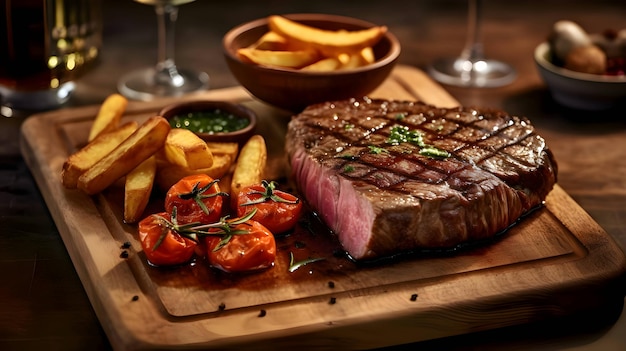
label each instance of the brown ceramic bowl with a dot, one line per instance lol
(293, 90)
(241, 135)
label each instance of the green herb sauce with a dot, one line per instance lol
(215, 121)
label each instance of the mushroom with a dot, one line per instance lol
(565, 37)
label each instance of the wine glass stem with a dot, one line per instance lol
(473, 50)
(167, 73)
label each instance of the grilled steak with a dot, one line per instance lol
(395, 176)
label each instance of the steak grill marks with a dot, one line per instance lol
(473, 138)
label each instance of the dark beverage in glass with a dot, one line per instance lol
(44, 46)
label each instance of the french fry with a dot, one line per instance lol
(287, 59)
(80, 161)
(293, 45)
(271, 41)
(225, 148)
(250, 165)
(109, 115)
(367, 54)
(184, 148)
(138, 188)
(324, 65)
(168, 174)
(330, 43)
(143, 143)
(362, 58)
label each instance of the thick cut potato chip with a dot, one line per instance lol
(184, 148)
(137, 189)
(287, 59)
(168, 174)
(80, 161)
(250, 165)
(330, 43)
(143, 143)
(226, 148)
(109, 115)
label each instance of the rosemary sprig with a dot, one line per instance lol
(268, 194)
(293, 266)
(197, 230)
(197, 194)
(172, 224)
(225, 228)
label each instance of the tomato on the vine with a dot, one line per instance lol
(197, 198)
(161, 243)
(277, 210)
(240, 245)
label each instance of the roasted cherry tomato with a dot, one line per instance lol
(241, 245)
(162, 245)
(197, 198)
(277, 210)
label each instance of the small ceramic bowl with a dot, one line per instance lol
(223, 109)
(293, 90)
(579, 90)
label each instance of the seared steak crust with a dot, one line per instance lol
(382, 198)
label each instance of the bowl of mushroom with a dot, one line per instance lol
(583, 71)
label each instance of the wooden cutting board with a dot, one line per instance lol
(554, 262)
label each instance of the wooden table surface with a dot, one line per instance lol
(42, 302)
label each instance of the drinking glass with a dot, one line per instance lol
(45, 46)
(165, 78)
(472, 68)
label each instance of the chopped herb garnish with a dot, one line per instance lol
(347, 156)
(377, 150)
(348, 126)
(402, 134)
(433, 152)
(348, 169)
(400, 116)
(293, 266)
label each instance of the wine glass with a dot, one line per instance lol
(472, 68)
(164, 79)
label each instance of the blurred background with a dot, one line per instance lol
(427, 30)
